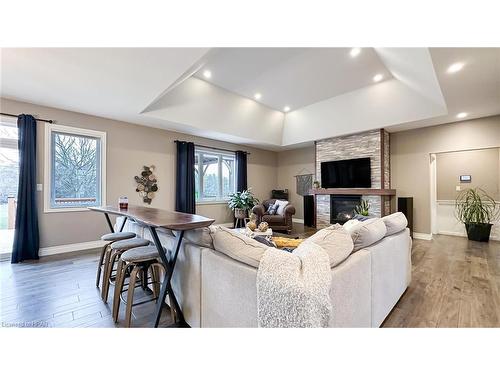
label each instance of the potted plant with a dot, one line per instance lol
(241, 202)
(476, 210)
(363, 208)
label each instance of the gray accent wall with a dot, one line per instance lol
(361, 145)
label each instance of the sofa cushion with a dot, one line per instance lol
(366, 233)
(238, 246)
(395, 223)
(199, 236)
(336, 241)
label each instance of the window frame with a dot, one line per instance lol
(70, 130)
(199, 150)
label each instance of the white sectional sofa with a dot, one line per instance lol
(217, 290)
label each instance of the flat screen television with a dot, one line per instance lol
(351, 173)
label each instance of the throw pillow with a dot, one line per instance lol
(238, 246)
(271, 210)
(336, 241)
(281, 207)
(366, 233)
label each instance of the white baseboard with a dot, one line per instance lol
(60, 249)
(299, 221)
(422, 236)
(461, 234)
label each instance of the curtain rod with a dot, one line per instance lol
(37, 119)
(212, 148)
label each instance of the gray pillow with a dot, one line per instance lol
(366, 233)
(271, 210)
(336, 241)
(395, 223)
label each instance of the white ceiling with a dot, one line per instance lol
(330, 92)
(294, 77)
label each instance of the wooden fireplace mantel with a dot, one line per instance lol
(353, 191)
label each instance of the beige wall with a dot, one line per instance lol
(129, 147)
(482, 165)
(290, 164)
(410, 158)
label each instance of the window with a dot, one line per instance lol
(9, 177)
(215, 175)
(75, 168)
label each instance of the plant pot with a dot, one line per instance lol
(240, 213)
(478, 231)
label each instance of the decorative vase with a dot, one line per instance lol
(240, 213)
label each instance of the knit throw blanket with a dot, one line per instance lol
(293, 288)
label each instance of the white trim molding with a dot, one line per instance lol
(422, 236)
(69, 248)
(49, 128)
(296, 220)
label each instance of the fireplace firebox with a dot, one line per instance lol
(342, 207)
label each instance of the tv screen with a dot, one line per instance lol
(352, 173)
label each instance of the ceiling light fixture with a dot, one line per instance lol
(378, 78)
(355, 52)
(462, 115)
(453, 68)
(286, 109)
(257, 96)
(207, 74)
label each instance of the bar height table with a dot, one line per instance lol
(154, 218)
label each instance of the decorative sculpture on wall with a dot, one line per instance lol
(146, 184)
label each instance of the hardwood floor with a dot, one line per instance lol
(455, 283)
(59, 291)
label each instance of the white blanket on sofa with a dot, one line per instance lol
(293, 288)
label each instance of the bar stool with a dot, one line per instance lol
(139, 260)
(110, 238)
(112, 255)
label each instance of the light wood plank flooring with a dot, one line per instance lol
(455, 283)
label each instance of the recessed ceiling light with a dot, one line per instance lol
(453, 68)
(257, 96)
(378, 78)
(462, 115)
(207, 74)
(355, 52)
(286, 108)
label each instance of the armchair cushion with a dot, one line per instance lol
(271, 210)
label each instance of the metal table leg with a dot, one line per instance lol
(111, 225)
(166, 287)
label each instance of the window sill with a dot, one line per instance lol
(204, 203)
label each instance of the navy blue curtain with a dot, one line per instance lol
(241, 174)
(26, 238)
(185, 190)
(241, 171)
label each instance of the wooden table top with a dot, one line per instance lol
(158, 218)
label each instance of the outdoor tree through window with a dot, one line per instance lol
(215, 174)
(76, 168)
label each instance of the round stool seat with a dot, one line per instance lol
(117, 236)
(123, 245)
(140, 254)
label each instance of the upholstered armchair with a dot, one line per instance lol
(276, 222)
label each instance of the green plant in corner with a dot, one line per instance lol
(241, 202)
(476, 209)
(362, 208)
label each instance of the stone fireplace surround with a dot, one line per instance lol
(373, 144)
